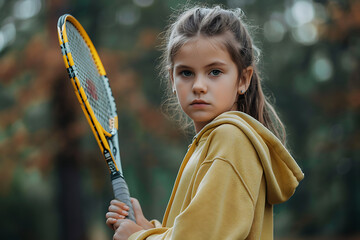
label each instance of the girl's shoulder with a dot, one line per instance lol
(227, 141)
(235, 130)
(228, 144)
(227, 133)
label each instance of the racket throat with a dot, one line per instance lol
(113, 142)
(114, 173)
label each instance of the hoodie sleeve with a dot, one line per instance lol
(223, 195)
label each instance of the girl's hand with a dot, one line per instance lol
(124, 228)
(118, 210)
(139, 216)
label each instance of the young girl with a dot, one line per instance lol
(236, 169)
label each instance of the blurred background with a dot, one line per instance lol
(53, 181)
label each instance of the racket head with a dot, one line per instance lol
(91, 86)
(93, 91)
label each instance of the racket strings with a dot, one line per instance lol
(90, 79)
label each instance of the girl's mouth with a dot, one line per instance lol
(199, 103)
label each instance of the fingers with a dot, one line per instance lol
(119, 204)
(136, 206)
(139, 216)
(137, 209)
(122, 222)
(119, 208)
(110, 223)
(114, 215)
(124, 228)
(111, 219)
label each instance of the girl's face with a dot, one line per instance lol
(206, 80)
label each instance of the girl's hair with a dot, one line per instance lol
(211, 22)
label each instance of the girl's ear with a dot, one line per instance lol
(172, 79)
(245, 79)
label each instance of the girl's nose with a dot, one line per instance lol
(199, 85)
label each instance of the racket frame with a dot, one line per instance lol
(106, 140)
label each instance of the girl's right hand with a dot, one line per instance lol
(119, 210)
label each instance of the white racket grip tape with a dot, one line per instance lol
(121, 193)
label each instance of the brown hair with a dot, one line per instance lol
(210, 22)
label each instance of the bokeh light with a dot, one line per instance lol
(300, 17)
(128, 15)
(274, 30)
(2, 41)
(322, 68)
(9, 32)
(302, 12)
(25, 9)
(305, 34)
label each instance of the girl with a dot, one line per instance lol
(236, 169)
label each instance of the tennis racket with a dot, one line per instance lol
(92, 89)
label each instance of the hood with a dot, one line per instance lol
(282, 173)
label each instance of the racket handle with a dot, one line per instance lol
(121, 193)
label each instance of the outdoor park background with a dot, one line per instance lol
(53, 181)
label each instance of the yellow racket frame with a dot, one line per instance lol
(99, 132)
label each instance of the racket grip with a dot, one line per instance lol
(121, 193)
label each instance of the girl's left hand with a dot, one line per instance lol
(124, 229)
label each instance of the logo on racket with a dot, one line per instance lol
(91, 89)
(112, 167)
(110, 163)
(112, 123)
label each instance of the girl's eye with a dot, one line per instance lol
(215, 72)
(186, 73)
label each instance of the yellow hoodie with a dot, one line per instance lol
(233, 173)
